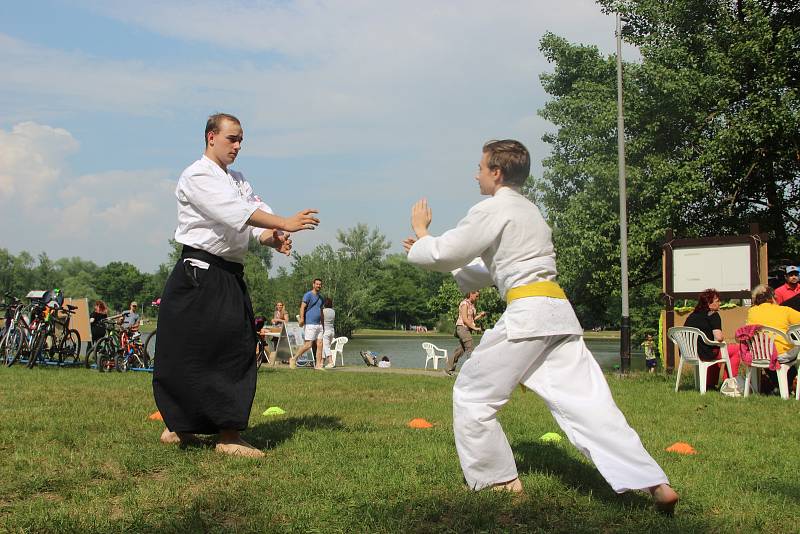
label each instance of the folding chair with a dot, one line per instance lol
(686, 337)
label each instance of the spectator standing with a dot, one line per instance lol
(465, 326)
(310, 318)
(328, 331)
(99, 313)
(791, 288)
(649, 353)
(131, 318)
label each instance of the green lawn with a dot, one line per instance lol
(77, 454)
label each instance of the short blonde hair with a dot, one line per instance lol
(762, 294)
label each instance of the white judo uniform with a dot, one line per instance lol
(504, 241)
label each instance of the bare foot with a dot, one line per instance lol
(182, 438)
(239, 447)
(513, 486)
(664, 498)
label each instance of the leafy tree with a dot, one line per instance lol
(403, 291)
(711, 116)
(118, 283)
(80, 285)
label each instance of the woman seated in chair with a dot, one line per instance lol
(767, 312)
(705, 317)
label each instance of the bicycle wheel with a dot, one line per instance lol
(122, 361)
(12, 347)
(70, 349)
(91, 355)
(105, 354)
(150, 349)
(44, 349)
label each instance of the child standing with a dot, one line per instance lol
(538, 341)
(649, 353)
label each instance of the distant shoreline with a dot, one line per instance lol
(376, 332)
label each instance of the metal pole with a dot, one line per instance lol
(625, 324)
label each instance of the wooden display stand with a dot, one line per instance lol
(710, 270)
(291, 338)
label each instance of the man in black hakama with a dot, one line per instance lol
(204, 379)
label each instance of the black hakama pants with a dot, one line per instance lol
(204, 379)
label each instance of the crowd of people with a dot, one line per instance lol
(769, 307)
(317, 318)
(204, 379)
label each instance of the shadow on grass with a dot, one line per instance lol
(536, 511)
(554, 461)
(271, 434)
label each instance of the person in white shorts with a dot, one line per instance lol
(310, 318)
(328, 332)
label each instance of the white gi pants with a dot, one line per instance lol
(565, 374)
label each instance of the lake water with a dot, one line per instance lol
(407, 352)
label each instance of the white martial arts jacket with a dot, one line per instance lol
(213, 209)
(503, 241)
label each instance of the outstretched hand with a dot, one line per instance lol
(408, 243)
(421, 217)
(302, 220)
(281, 242)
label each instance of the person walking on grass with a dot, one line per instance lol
(465, 326)
(538, 341)
(310, 318)
(204, 379)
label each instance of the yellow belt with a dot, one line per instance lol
(544, 288)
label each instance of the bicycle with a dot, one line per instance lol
(120, 349)
(21, 333)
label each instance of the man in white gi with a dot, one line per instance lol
(538, 341)
(204, 379)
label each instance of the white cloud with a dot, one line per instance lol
(31, 161)
(114, 215)
(420, 84)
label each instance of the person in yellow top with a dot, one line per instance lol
(767, 312)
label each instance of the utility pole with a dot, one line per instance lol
(625, 324)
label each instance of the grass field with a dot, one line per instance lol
(77, 454)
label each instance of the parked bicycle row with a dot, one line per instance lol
(39, 333)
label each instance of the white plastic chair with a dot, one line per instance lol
(432, 354)
(337, 346)
(761, 346)
(686, 337)
(794, 334)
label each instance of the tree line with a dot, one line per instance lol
(712, 129)
(369, 288)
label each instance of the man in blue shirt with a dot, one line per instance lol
(311, 320)
(130, 318)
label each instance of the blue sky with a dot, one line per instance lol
(356, 108)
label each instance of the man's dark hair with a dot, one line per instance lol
(214, 122)
(511, 157)
(315, 279)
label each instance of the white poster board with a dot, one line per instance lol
(291, 339)
(723, 267)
